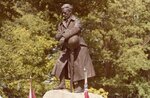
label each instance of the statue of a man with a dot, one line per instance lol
(72, 43)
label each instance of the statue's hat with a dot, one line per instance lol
(67, 6)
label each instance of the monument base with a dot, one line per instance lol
(67, 94)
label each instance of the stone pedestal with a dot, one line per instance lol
(67, 94)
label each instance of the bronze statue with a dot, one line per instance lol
(74, 55)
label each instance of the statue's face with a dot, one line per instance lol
(66, 13)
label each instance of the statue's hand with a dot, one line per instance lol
(61, 41)
(58, 36)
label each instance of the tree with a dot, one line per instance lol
(116, 35)
(25, 44)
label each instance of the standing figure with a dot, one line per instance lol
(74, 55)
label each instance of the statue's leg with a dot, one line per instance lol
(62, 81)
(79, 86)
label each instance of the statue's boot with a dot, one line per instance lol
(62, 82)
(79, 87)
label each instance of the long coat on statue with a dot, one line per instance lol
(81, 54)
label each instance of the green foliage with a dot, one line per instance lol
(116, 36)
(99, 92)
(25, 44)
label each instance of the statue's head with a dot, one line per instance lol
(66, 10)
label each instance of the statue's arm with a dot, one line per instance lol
(59, 33)
(73, 31)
